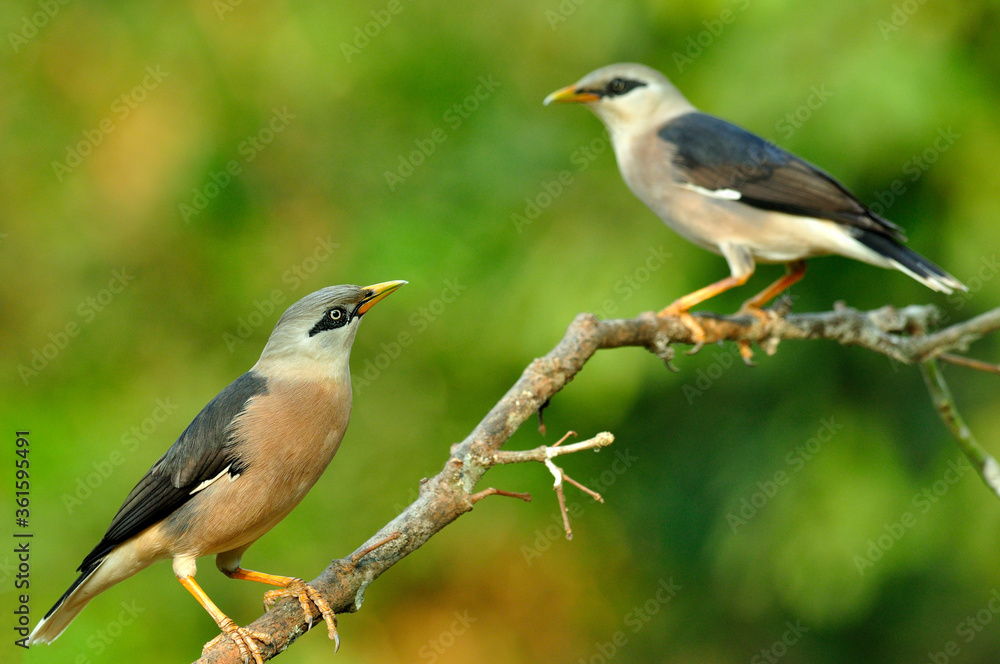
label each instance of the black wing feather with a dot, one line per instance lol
(203, 451)
(715, 154)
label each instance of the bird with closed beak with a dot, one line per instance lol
(239, 468)
(734, 193)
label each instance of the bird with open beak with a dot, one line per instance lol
(734, 193)
(239, 468)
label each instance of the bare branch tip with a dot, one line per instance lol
(604, 439)
(970, 363)
(565, 436)
(476, 497)
(358, 555)
(991, 474)
(562, 510)
(590, 492)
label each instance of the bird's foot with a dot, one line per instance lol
(697, 331)
(245, 639)
(307, 596)
(750, 309)
(746, 352)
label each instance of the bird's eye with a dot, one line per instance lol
(619, 86)
(331, 320)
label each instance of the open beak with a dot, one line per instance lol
(375, 293)
(570, 94)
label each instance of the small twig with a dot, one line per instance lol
(562, 508)
(559, 474)
(544, 454)
(984, 464)
(567, 435)
(963, 361)
(541, 419)
(358, 555)
(540, 454)
(476, 497)
(590, 492)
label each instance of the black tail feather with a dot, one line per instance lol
(910, 262)
(84, 575)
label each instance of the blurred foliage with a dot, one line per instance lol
(277, 124)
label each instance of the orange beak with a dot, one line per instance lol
(570, 95)
(375, 293)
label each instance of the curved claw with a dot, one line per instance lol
(245, 639)
(307, 596)
(695, 348)
(750, 309)
(693, 326)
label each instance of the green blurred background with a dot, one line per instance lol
(214, 162)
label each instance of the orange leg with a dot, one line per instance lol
(697, 297)
(680, 306)
(793, 273)
(245, 639)
(292, 587)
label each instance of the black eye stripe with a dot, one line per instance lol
(619, 86)
(333, 318)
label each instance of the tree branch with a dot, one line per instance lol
(983, 462)
(896, 333)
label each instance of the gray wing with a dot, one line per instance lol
(204, 450)
(718, 156)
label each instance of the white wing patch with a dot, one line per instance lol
(207, 483)
(725, 194)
